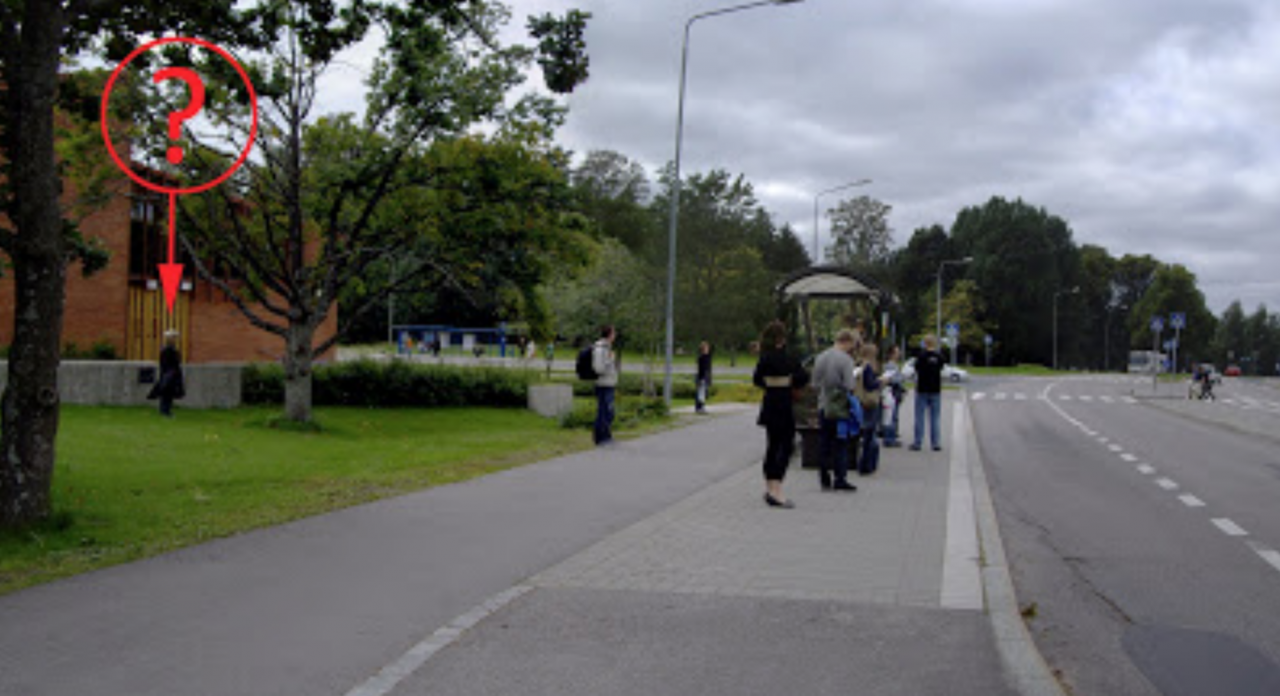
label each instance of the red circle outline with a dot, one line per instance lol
(106, 97)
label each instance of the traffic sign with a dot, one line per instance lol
(1178, 320)
(1157, 324)
(953, 330)
(989, 340)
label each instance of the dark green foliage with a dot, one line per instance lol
(100, 350)
(633, 385)
(394, 384)
(628, 412)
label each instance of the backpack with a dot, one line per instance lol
(586, 370)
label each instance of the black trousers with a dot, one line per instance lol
(777, 455)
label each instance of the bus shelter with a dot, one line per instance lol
(858, 300)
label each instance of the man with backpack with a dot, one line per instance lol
(598, 363)
(833, 375)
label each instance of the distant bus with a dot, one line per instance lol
(1146, 361)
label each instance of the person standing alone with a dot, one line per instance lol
(928, 393)
(170, 384)
(703, 378)
(605, 363)
(778, 374)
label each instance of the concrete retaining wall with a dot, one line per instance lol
(551, 400)
(121, 383)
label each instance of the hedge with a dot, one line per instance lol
(682, 386)
(394, 384)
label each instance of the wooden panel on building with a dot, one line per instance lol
(149, 318)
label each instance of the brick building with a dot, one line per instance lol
(123, 304)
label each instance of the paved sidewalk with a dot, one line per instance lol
(719, 594)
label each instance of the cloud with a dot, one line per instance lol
(1149, 125)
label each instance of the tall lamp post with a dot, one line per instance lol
(1056, 295)
(817, 255)
(675, 190)
(1106, 337)
(941, 266)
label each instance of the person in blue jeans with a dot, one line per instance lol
(892, 377)
(605, 364)
(928, 393)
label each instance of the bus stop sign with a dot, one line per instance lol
(1157, 324)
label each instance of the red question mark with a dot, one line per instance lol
(196, 85)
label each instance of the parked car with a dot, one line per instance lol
(1232, 371)
(949, 373)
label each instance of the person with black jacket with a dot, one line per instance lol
(778, 373)
(929, 393)
(703, 378)
(170, 385)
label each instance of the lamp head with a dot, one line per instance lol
(967, 259)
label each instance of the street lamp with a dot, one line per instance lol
(817, 256)
(1057, 294)
(944, 264)
(1106, 337)
(675, 190)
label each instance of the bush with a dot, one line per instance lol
(393, 384)
(682, 386)
(629, 412)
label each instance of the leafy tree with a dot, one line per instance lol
(1230, 342)
(329, 197)
(962, 304)
(915, 269)
(614, 192)
(39, 235)
(861, 235)
(1174, 289)
(1022, 256)
(782, 251)
(1101, 326)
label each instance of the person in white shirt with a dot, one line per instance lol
(605, 363)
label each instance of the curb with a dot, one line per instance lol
(1024, 666)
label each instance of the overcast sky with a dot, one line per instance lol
(1150, 125)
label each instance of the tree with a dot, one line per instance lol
(614, 191)
(1023, 255)
(963, 305)
(861, 237)
(915, 269)
(40, 237)
(782, 251)
(1102, 319)
(329, 197)
(1229, 341)
(1174, 289)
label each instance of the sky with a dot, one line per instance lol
(1151, 126)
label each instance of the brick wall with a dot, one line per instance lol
(221, 333)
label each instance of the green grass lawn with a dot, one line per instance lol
(130, 484)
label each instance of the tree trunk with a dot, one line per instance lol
(30, 405)
(297, 371)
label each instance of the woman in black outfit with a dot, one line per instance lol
(778, 374)
(703, 378)
(170, 385)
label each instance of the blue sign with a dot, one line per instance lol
(989, 340)
(1178, 320)
(1157, 324)
(953, 329)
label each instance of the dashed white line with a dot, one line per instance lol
(1128, 457)
(1115, 448)
(1086, 398)
(1020, 397)
(1104, 440)
(1228, 527)
(1167, 484)
(979, 396)
(1146, 469)
(1130, 400)
(1107, 399)
(1064, 397)
(1271, 556)
(1191, 501)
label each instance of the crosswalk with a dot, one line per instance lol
(1245, 403)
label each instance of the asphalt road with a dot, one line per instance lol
(1141, 541)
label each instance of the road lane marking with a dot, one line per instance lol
(1000, 396)
(1146, 469)
(1107, 399)
(1271, 556)
(1064, 397)
(1115, 448)
(389, 677)
(1086, 398)
(1090, 433)
(1130, 400)
(1020, 397)
(1128, 457)
(979, 396)
(1191, 501)
(1228, 527)
(1104, 440)
(961, 573)
(1167, 484)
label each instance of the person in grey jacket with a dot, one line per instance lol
(605, 363)
(833, 375)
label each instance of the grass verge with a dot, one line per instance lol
(131, 485)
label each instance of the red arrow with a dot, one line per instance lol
(171, 273)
